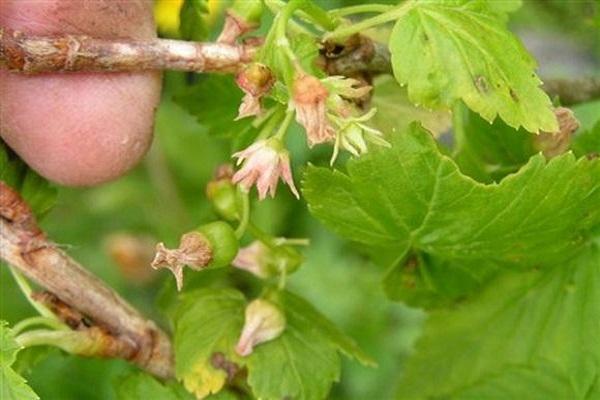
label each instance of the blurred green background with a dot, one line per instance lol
(164, 196)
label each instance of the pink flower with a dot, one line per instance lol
(264, 162)
(310, 96)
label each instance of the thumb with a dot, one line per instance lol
(79, 129)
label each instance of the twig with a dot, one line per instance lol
(573, 91)
(116, 328)
(358, 55)
(72, 53)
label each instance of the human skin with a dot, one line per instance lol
(86, 128)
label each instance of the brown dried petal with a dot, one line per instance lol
(193, 251)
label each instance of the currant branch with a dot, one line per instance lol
(20, 52)
(101, 323)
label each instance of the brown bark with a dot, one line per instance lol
(25, 247)
(71, 53)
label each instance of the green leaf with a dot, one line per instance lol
(487, 152)
(192, 20)
(446, 50)
(412, 199)
(8, 346)
(36, 191)
(588, 114)
(30, 357)
(504, 6)
(207, 327)
(429, 281)
(139, 385)
(303, 312)
(541, 382)
(395, 112)
(302, 363)
(214, 101)
(525, 329)
(12, 385)
(587, 142)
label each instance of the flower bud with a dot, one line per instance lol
(263, 322)
(211, 245)
(223, 194)
(266, 262)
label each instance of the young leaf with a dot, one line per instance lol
(139, 385)
(192, 22)
(36, 191)
(207, 326)
(412, 198)
(12, 385)
(446, 50)
(542, 321)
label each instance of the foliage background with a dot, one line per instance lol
(165, 195)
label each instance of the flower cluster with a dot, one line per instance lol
(327, 108)
(327, 111)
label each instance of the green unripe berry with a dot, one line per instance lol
(225, 198)
(222, 241)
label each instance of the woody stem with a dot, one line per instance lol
(21, 52)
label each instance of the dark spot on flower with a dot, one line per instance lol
(513, 94)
